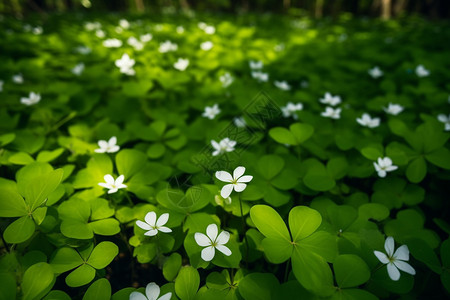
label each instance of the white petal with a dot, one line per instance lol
(102, 144)
(108, 179)
(246, 178)
(111, 191)
(238, 172)
(121, 186)
(202, 240)
(402, 253)
(152, 291)
(226, 190)
(224, 249)
(382, 173)
(112, 141)
(208, 253)
(211, 231)
(223, 238)
(389, 246)
(393, 272)
(391, 168)
(100, 150)
(162, 220)
(387, 161)
(105, 185)
(150, 218)
(143, 225)
(165, 296)
(377, 167)
(113, 149)
(224, 176)
(164, 229)
(137, 296)
(239, 187)
(215, 144)
(381, 257)
(405, 267)
(119, 180)
(151, 232)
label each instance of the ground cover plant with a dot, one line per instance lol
(196, 157)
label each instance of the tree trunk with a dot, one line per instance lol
(385, 9)
(319, 9)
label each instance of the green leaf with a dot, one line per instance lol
(21, 158)
(156, 150)
(317, 177)
(440, 158)
(12, 204)
(65, 259)
(269, 222)
(48, 156)
(171, 266)
(105, 227)
(36, 280)
(8, 286)
(321, 243)
(277, 249)
(270, 165)
(136, 89)
(7, 138)
(282, 136)
(80, 276)
(350, 271)
(261, 286)
(99, 290)
(57, 295)
(303, 221)
(187, 283)
(97, 167)
(130, 162)
(416, 170)
(103, 254)
(372, 152)
(424, 253)
(20, 230)
(301, 132)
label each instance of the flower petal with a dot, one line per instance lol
(151, 232)
(224, 176)
(215, 144)
(405, 267)
(150, 218)
(246, 178)
(162, 220)
(208, 253)
(165, 296)
(223, 238)
(119, 180)
(393, 272)
(211, 232)
(102, 144)
(137, 296)
(381, 257)
(238, 172)
(226, 190)
(201, 239)
(112, 141)
(382, 173)
(108, 179)
(224, 249)
(152, 291)
(113, 149)
(111, 191)
(164, 229)
(239, 187)
(105, 185)
(143, 225)
(402, 253)
(100, 150)
(389, 246)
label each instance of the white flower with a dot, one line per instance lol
(330, 99)
(181, 64)
(421, 71)
(100, 33)
(151, 293)
(260, 76)
(256, 65)
(124, 24)
(366, 120)
(84, 50)
(91, 26)
(226, 80)
(18, 78)
(108, 146)
(1, 85)
(211, 111)
(135, 43)
(145, 38)
(239, 122)
(225, 145)
(112, 43)
(153, 225)
(111, 184)
(78, 69)
(206, 46)
(279, 47)
(395, 261)
(167, 46)
(212, 241)
(282, 85)
(180, 29)
(331, 112)
(290, 110)
(33, 98)
(393, 109)
(375, 72)
(118, 29)
(446, 120)
(125, 64)
(236, 182)
(383, 166)
(209, 29)
(37, 30)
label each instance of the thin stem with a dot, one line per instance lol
(243, 229)
(61, 122)
(286, 271)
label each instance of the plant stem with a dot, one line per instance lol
(286, 271)
(243, 229)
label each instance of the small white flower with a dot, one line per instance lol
(446, 120)
(260, 76)
(135, 43)
(421, 71)
(167, 46)
(330, 99)
(212, 241)
(153, 225)
(111, 184)
(206, 46)
(37, 30)
(366, 120)
(375, 72)
(330, 112)
(290, 110)
(181, 64)
(282, 85)
(33, 98)
(393, 109)
(256, 65)
(1, 85)
(78, 69)
(112, 43)
(125, 64)
(383, 166)
(279, 47)
(84, 50)
(236, 182)
(18, 78)
(180, 29)
(108, 146)
(209, 29)
(239, 122)
(91, 26)
(395, 261)
(100, 33)
(225, 145)
(211, 111)
(124, 24)
(226, 80)
(151, 293)
(145, 38)
(118, 29)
